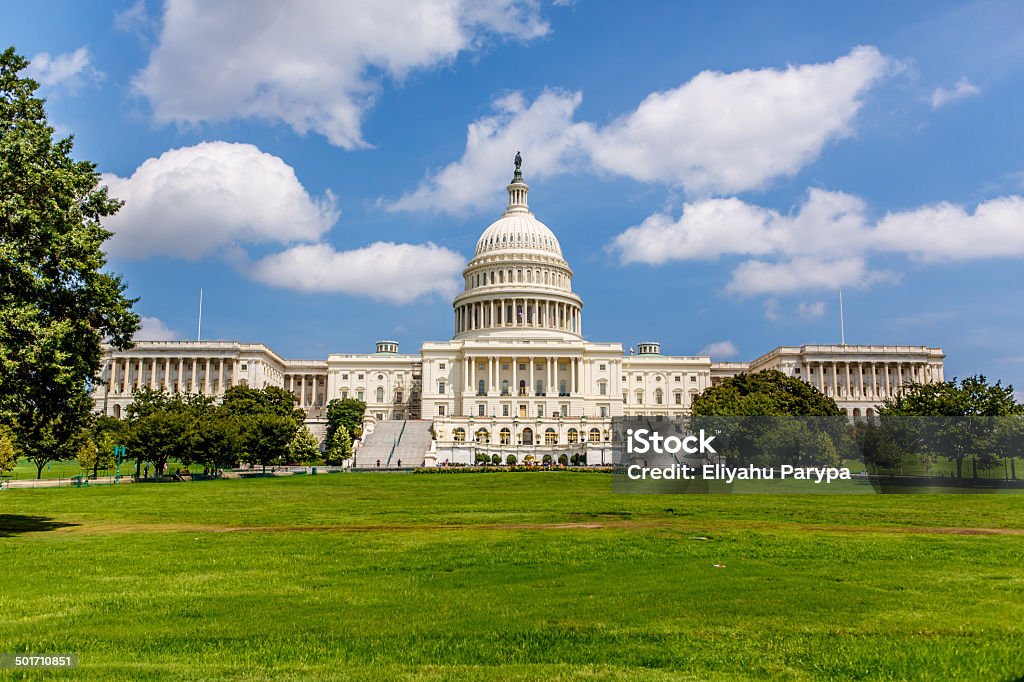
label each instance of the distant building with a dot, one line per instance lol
(517, 379)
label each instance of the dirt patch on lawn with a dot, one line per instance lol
(637, 524)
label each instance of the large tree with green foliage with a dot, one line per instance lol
(956, 420)
(347, 412)
(56, 303)
(339, 447)
(304, 447)
(768, 419)
(165, 425)
(764, 394)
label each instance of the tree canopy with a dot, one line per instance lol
(769, 393)
(57, 305)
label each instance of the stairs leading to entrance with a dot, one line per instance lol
(393, 440)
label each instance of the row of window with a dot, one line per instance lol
(539, 275)
(659, 397)
(572, 437)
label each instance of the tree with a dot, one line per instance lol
(56, 303)
(304, 448)
(105, 433)
(267, 437)
(339, 448)
(93, 456)
(220, 440)
(165, 425)
(971, 417)
(767, 393)
(347, 412)
(245, 401)
(8, 454)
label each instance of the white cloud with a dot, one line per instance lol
(728, 132)
(134, 19)
(396, 273)
(544, 127)
(720, 349)
(68, 69)
(153, 329)
(211, 198)
(811, 310)
(962, 89)
(311, 65)
(825, 244)
(716, 133)
(771, 309)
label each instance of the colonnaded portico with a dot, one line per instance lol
(517, 381)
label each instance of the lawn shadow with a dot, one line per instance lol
(17, 524)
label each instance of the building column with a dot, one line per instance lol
(572, 375)
(860, 380)
(514, 390)
(206, 378)
(533, 382)
(899, 378)
(302, 391)
(835, 381)
(113, 371)
(846, 367)
(888, 383)
(220, 376)
(821, 376)
(874, 381)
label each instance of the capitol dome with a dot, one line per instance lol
(518, 230)
(518, 284)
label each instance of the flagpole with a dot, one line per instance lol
(199, 331)
(842, 322)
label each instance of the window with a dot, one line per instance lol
(459, 435)
(504, 386)
(679, 397)
(658, 396)
(360, 395)
(440, 410)
(565, 409)
(602, 367)
(505, 436)
(380, 377)
(440, 387)
(693, 378)
(344, 376)
(573, 436)
(482, 436)
(481, 410)
(540, 387)
(522, 367)
(604, 411)
(527, 436)
(602, 388)
(594, 436)
(550, 437)
(504, 410)
(380, 394)
(245, 366)
(359, 377)
(480, 389)
(640, 397)
(540, 410)
(441, 366)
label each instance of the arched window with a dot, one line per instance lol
(595, 436)
(527, 437)
(459, 434)
(550, 437)
(483, 436)
(480, 390)
(573, 436)
(522, 387)
(505, 436)
(561, 388)
(399, 395)
(380, 394)
(540, 387)
(504, 386)
(639, 397)
(659, 397)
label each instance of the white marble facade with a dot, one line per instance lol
(518, 378)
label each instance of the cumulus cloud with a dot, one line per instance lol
(315, 66)
(70, 70)
(729, 132)
(544, 127)
(212, 197)
(825, 244)
(720, 349)
(153, 329)
(962, 89)
(396, 273)
(716, 133)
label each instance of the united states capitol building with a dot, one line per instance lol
(518, 379)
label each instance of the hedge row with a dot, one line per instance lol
(493, 469)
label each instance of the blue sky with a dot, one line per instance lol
(715, 172)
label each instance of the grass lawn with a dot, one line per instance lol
(510, 576)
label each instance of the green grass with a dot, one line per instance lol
(509, 576)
